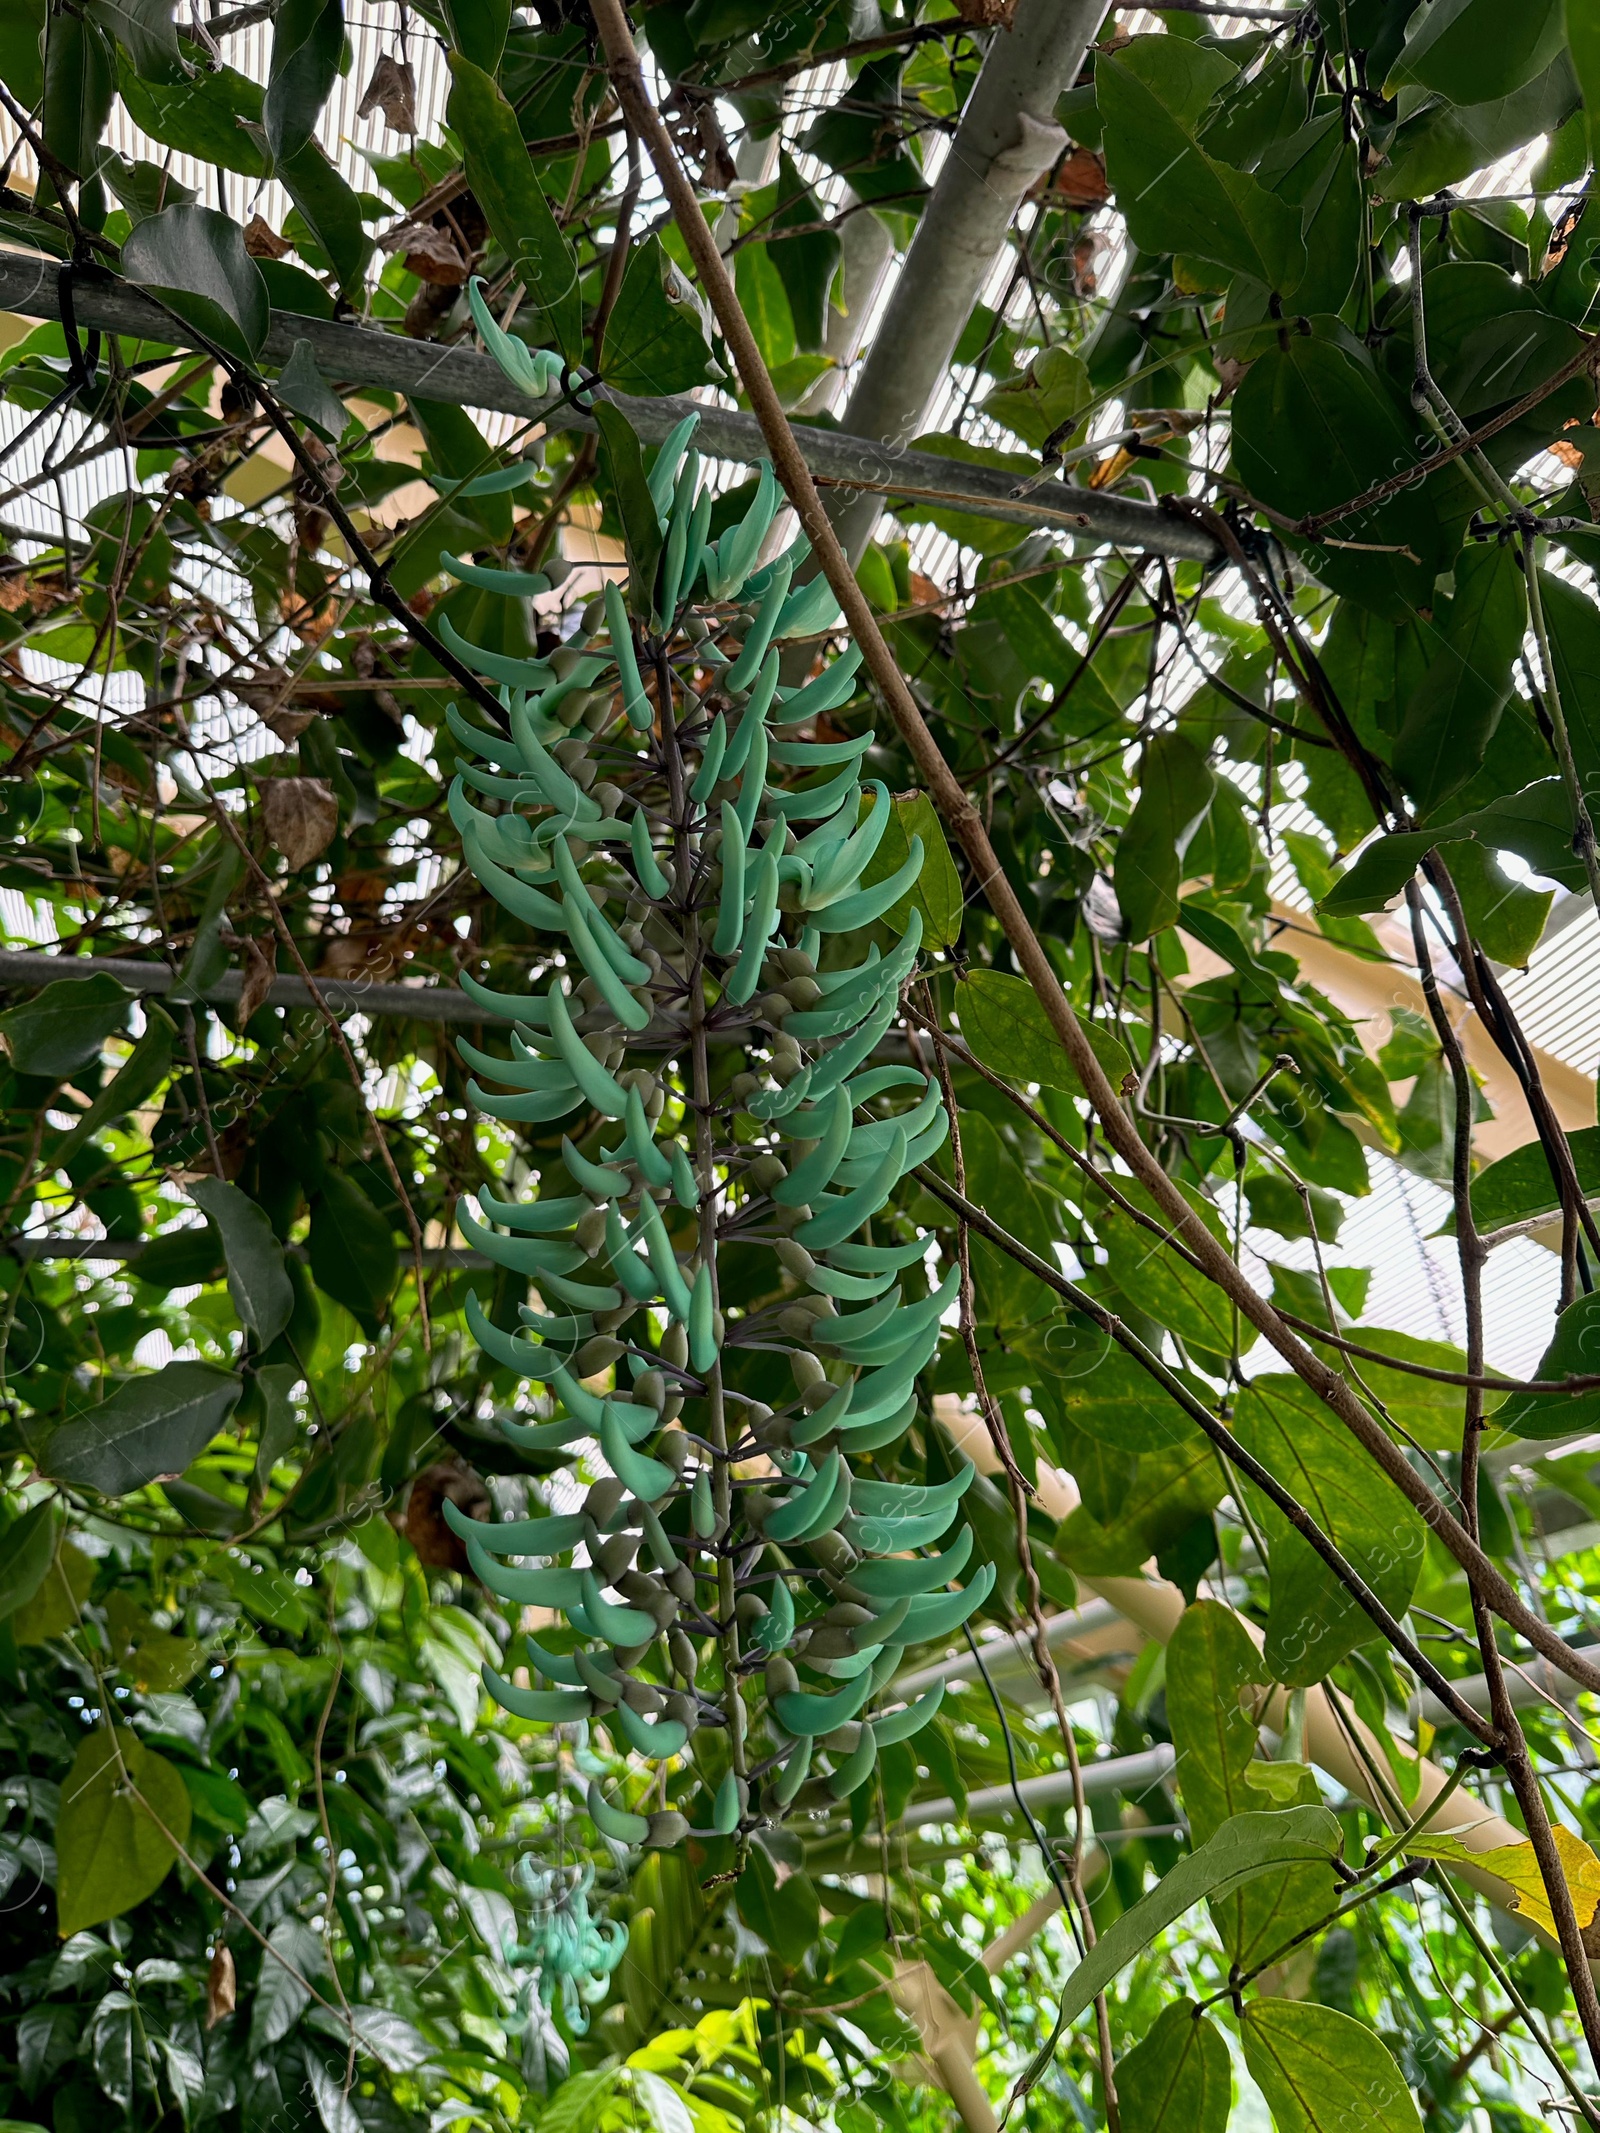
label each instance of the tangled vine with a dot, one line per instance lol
(737, 1572)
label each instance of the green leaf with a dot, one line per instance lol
(1313, 1622)
(580, 2102)
(63, 1027)
(153, 1425)
(784, 1914)
(29, 1550)
(1003, 1021)
(1115, 1400)
(655, 339)
(1473, 50)
(1505, 917)
(1242, 1849)
(1314, 424)
(1573, 1352)
(1574, 629)
(1170, 1491)
(1174, 197)
(862, 139)
(1030, 631)
(352, 1251)
(146, 32)
(302, 388)
(79, 85)
(1209, 1661)
(293, 1955)
(123, 1808)
(1535, 823)
(179, 1257)
(459, 451)
(1323, 2072)
(622, 473)
(307, 44)
(1175, 786)
(330, 210)
(1275, 1204)
(211, 117)
(56, 1608)
(937, 893)
(1213, 1670)
(503, 181)
(765, 304)
(195, 261)
(1453, 712)
(1179, 2079)
(1316, 170)
(22, 50)
(806, 260)
(149, 1658)
(478, 30)
(257, 1281)
(111, 2031)
(1447, 141)
(1583, 45)
(208, 958)
(1045, 401)
(264, 1592)
(1519, 1186)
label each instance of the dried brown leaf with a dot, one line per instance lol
(1081, 181)
(260, 968)
(222, 1986)
(301, 815)
(393, 91)
(262, 241)
(431, 253)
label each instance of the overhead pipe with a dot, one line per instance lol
(349, 356)
(1007, 139)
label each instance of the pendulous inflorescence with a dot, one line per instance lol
(698, 871)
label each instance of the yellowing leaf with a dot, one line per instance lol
(1517, 1866)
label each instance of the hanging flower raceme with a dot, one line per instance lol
(566, 1949)
(690, 868)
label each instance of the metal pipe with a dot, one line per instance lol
(121, 1250)
(21, 967)
(1009, 1657)
(353, 356)
(1117, 1773)
(1007, 139)
(1528, 1683)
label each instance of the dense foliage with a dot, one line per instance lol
(768, 1311)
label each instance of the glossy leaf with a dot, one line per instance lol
(655, 340)
(1573, 1352)
(1174, 794)
(1313, 1621)
(124, 1813)
(1002, 1020)
(1320, 2070)
(1475, 640)
(194, 259)
(513, 199)
(62, 1028)
(1244, 1848)
(307, 41)
(256, 1278)
(1178, 2079)
(352, 1250)
(151, 1426)
(1177, 198)
(937, 894)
